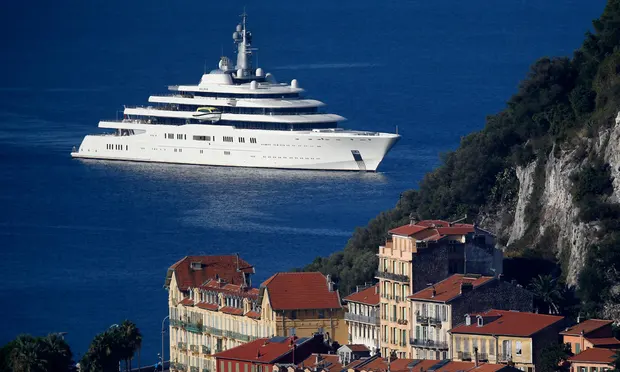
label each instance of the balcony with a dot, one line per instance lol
(194, 327)
(483, 357)
(212, 331)
(390, 276)
(177, 323)
(182, 346)
(193, 349)
(402, 321)
(428, 344)
(193, 369)
(504, 358)
(237, 336)
(374, 320)
(178, 366)
(427, 320)
(205, 370)
(463, 355)
(206, 350)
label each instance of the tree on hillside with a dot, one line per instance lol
(553, 358)
(131, 341)
(616, 363)
(547, 291)
(56, 353)
(5, 356)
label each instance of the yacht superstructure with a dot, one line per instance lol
(237, 116)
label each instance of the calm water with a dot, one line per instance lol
(87, 244)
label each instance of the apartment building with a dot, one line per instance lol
(443, 305)
(591, 333)
(212, 307)
(362, 318)
(302, 304)
(511, 337)
(420, 253)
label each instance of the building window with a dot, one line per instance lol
(202, 138)
(577, 348)
(293, 314)
(226, 152)
(241, 139)
(518, 348)
(321, 314)
(291, 331)
(252, 140)
(227, 139)
(170, 135)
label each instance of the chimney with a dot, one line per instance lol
(330, 284)
(476, 357)
(412, 219)
(434, 293)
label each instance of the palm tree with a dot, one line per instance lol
(547, 291)
(56, 353)
(26, 355)
(131, 341)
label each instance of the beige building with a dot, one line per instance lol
(212, 308)
(420, 253)
(362, 318)
(511, 337)
(302, 304)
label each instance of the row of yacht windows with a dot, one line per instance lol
(237, 124)
(246, 110)
(237, 95)
(208, 138)
(110, 146)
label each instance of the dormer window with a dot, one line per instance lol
(467, 319)
(480, 321)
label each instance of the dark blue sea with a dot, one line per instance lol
(85, 244)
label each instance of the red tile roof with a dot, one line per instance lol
(231, 310)
(402, 365)
(368, 296)
(224, 267)
(594, 355)
(328, 362)
(253, 314)
(236, 289)
(301, 290)
(433, 230)
(586, 326)
(207, 306)
(357, 347)
(449, 288)
(261, 350)
(604, 341)
(186, 302)
(508, 323)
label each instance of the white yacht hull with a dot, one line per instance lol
(317, 150)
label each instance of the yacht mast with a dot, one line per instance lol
(243, 39)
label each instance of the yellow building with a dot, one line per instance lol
(302, 304)
(510, 337)
(212, 308)
(420, 253)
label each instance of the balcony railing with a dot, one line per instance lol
(178, 366)
(193, 349)
(504, 358)
(205, 370)
(193, 369)
(362, 318)
(212, 331)
(206, 350)
(182, 345)
(430, 344)
(194, 327)
(391, 276)
(483, 357)
(402, 321)
(177, 323)
(464, 355)
(237, 336)
(424, 319)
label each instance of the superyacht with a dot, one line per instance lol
(237, 116)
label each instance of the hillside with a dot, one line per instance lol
(543, 175)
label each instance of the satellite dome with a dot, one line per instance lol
(253, 85)
(236, 35)
(259, 72)
(239, 28)
(294, 84)
(270, 78)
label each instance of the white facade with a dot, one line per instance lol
(363, 324)
(252, 121)
(429, 332)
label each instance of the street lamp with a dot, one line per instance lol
(163, 331)
(119, 361)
